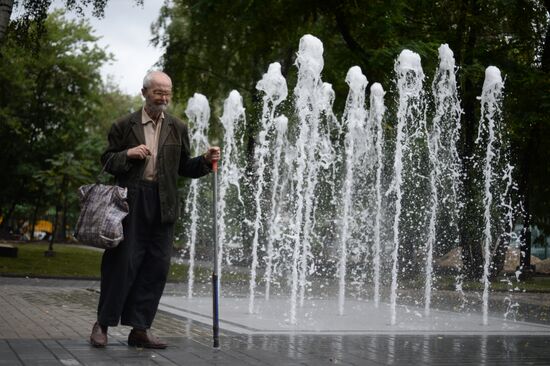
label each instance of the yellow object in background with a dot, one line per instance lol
(43, 225)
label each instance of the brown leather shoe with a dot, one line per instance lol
(99, 335)
(145, 339)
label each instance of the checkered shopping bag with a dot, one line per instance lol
(103, 207)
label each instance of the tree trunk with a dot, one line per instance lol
(4, 227)
(6, 7)
(60, 211)
(471, 220)
(499, 254)
(458, 43)
(524, 264)
(54, 230)
(63, 230)
(545, 62)
(33, 224)
(354, 46)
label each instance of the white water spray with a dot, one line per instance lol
(376, 115)
(444, 94)
(198, 112)
(490, 99)
(231, 172)
(409, 84)
(278, 187)
(310, 64)
(355, 118)
(300, 169)
(273, 84)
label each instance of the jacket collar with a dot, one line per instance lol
(137, 127)
(165, 129)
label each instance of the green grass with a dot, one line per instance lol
(81, 262)
(68, 261)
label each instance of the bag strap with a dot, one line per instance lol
(104, 168)
(87, 194)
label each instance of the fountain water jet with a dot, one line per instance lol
(444, 159)
(489, 133)
(198, 112)
(273, 84)
(299, 159)
(279, 184)
(231, 172)
(447, 163)
(310, 64)
(355, 119)
(409, 83)
(377, 110)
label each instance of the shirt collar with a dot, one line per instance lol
(145, 118)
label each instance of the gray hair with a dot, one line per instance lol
(149, 77)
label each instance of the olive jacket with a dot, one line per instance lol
(173, 159)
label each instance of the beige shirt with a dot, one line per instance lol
(151, 129)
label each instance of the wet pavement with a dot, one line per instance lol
(47, 322)
(322, 316)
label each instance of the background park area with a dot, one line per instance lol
(56, 108)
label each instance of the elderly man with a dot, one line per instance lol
(147, 151)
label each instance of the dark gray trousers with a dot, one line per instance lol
(134, 273)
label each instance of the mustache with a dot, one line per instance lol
(156, 108)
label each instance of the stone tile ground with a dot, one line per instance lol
(47, 322)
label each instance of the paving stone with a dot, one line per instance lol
(47, 322)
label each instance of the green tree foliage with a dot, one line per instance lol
(45, 100)
(33, 13)
(55, 112)
(215, 46)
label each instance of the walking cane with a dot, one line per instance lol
(215, 283)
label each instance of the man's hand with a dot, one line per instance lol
(138, 152)
(212, 154)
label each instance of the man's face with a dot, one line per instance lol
(158, 94)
